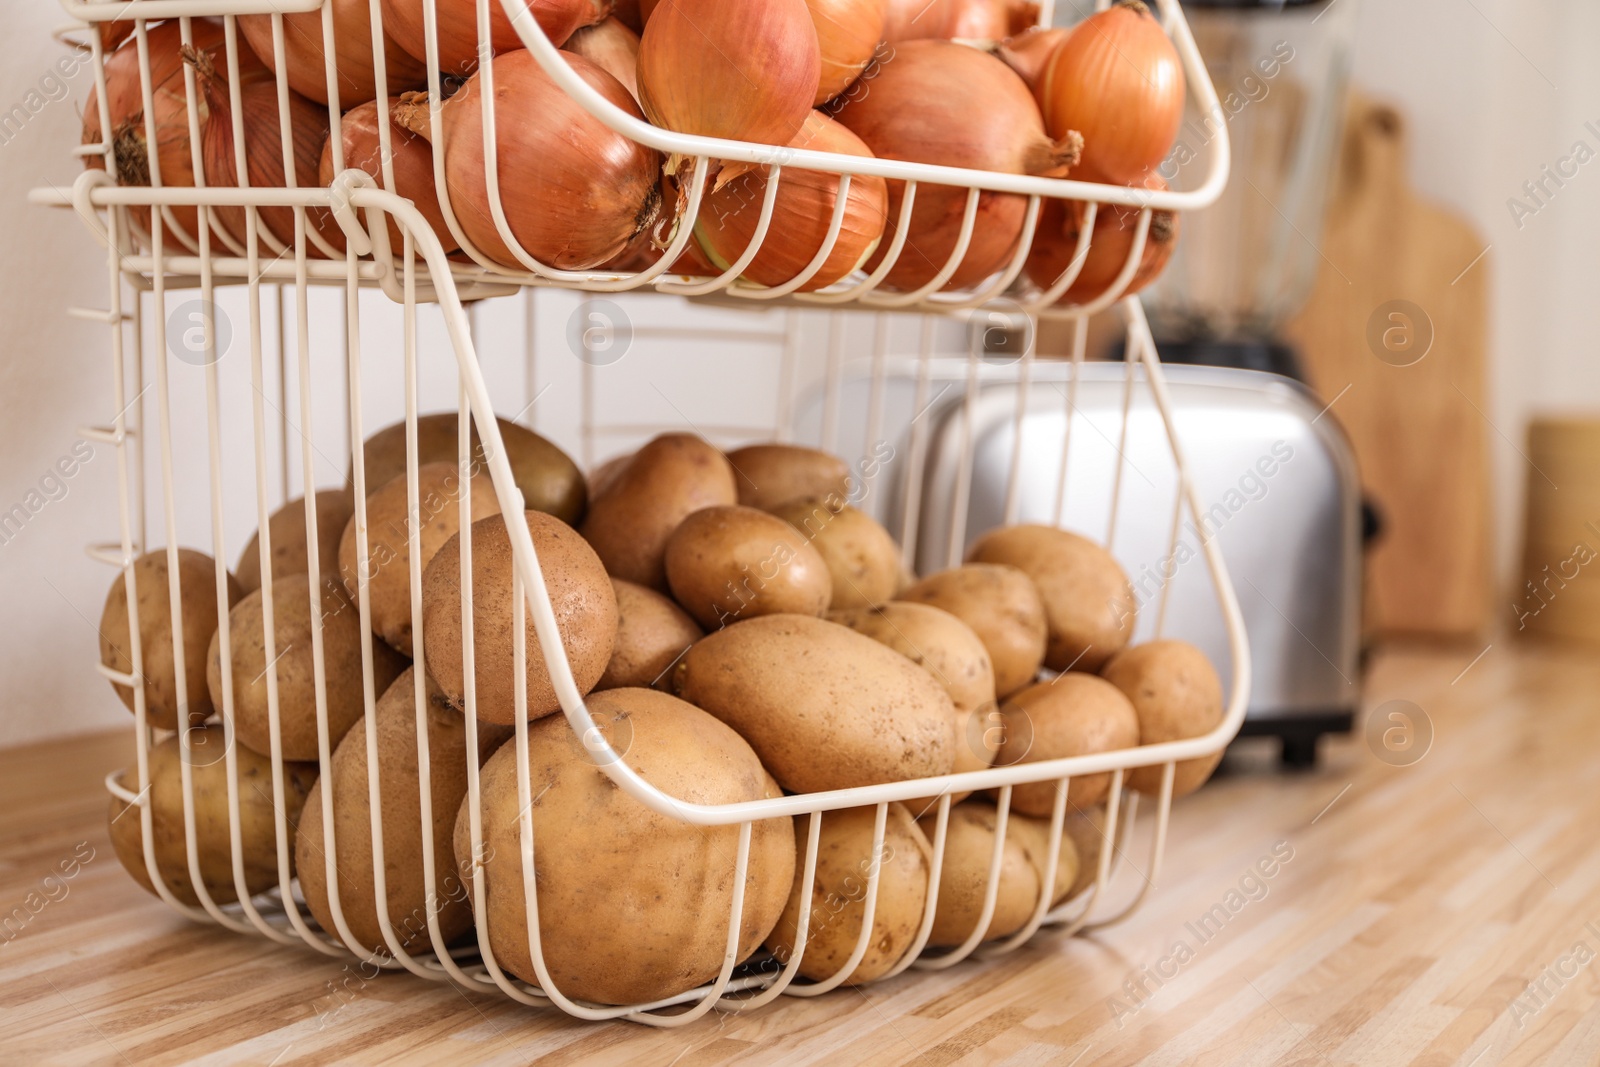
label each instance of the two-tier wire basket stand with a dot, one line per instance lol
(185, 454)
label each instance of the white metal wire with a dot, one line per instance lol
(147, 265)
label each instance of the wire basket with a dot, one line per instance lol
(324, 325)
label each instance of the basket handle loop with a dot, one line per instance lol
(344, 213)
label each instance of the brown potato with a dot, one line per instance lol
(964, 876)
(633, 905)
(1002, 606)
(580, 594)
(389, 527)
(933, 639)
(197, 585)
(287, 527)
(1074, 714)
(1177, 694)
(946, 648)
(294, 665)
(771, 475)
(730, 563)
(1088, 603)
(839, 893)
(644, 500)
(400, 789)
(208, 768)
(1087, 829)
(601, 477)
(550, 481)
(860, 555)
(1033, 835)
(823, 706)
(652, 632)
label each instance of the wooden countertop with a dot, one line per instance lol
(1417, 909)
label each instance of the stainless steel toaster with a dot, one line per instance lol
(1277, 481)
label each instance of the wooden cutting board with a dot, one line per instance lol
(1396, 269)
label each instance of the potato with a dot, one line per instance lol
(964, 876)
(1088, 603)
(1087, 830)
(208, 770)
(1177, 694)
(730, 563)
(197, 585)
(1002, 606)
(946, 648)
(771, 475)
(1033, 834)
(580, 595)
(1074, 714)
(652, 632)
(550, 481)
(646, 498)
(389, 526)
(839, 893)
(400, 790)
(823, 706)
(287, 527)
(601, 477)
(294, 664)
(934, 639)
(633, 905)
(860, 555)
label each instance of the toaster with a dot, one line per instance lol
(1277, 481)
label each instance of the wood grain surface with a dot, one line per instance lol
(1428, 914)
(1402, 279)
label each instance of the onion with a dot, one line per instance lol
(574, 192)
(1061, 221)
(412, 163)
(169, 96)
(968, 20)
(630, 13)
(263, 152)
(1117, 80)
(736, 69)
(613, 48)
(113, 33)
(305, 57)
(457, 22)
(943, 103)
(800, 215)
(124, 92)
(848, 35)
(1029, 52)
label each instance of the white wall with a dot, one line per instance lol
(1471, 77)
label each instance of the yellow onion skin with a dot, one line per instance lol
(124, 93)
(948, 104)
(305, 56)
(169, 96)
(457, 24)
(1117, 80)
(735, 69)
(411, 160)
(1029, 53)
(1056, 241)
(630, 13)
(848, 35)
(263, 152)
(613, 47)
(575, 193)
(800, 214)
(967, 20)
